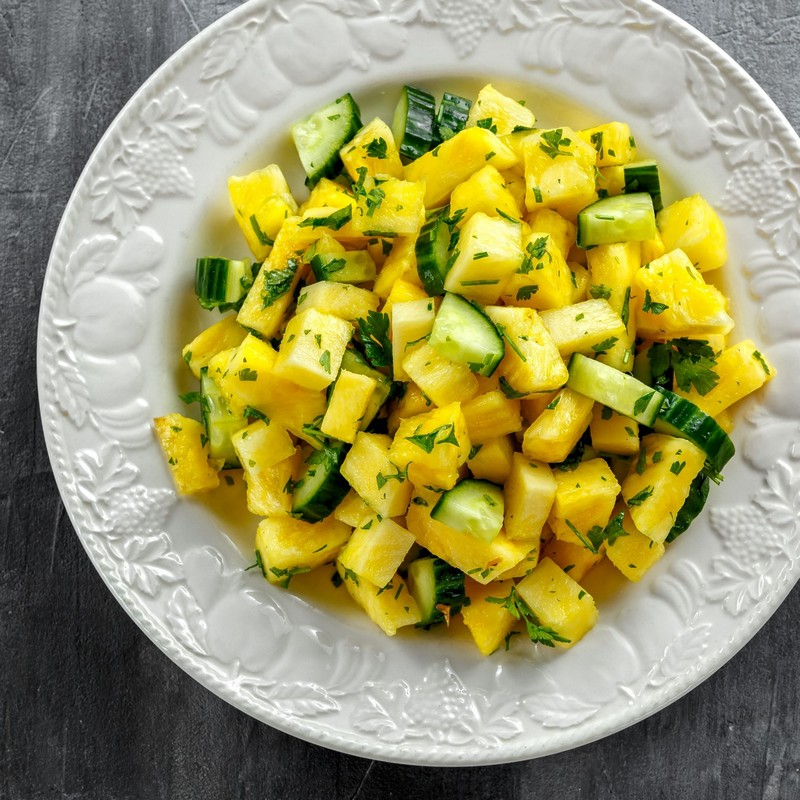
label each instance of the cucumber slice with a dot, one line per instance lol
(433, 583)
(451, 116)
(625, 218)
(474, 507)
(220, 423)
(222, 283)
(433, 253)
(692, 506)
(353, 362)
(678, 416)
(351, 267)
(321, 486)
(413, 124)
(321, 136)
(614, 389)
(643, 176)
(462, 332)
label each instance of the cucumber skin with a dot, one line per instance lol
(431, 273)
(419, 131)
(692, 506)
(331, 492)
(449, 590)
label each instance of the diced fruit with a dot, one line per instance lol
(402, 292)
(558, 602)
(543, 279)
(353, 511)
(491, 415)
(438, 589)
(262, 444)
(671, 299)
(223, 335)
(400, 263)
(693, 226)
(613, 433)
(489, 623)
(339, 299)
(588, 327)
(634, 554)
(575, 559)
(613, 142)
(373, 148)
(484, 192)
(412, 322)
(472, 506)
(499, 112)
(376, 550)
(185, 447)
(561, 230)
(492, 460)
(392, 207)
(529, 493)
(556, 431)
(269, 489)
(580, 281)
(653, 249)
(413, 402)
(348, 405)
(442, 380)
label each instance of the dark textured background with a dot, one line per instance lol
(89, 708)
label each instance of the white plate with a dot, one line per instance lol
(117, 305)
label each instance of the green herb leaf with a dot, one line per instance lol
(377, 148)
(277, 282)
(335, 221)
(640, 497)
(374, 334)
(442, 435)
(650, 307)
(553, 142)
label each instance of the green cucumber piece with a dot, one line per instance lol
(451, 116)
(413, 124)
(433, 253)
(462, 332)
(474, 507)
(643, 176)
(223, 283)
(433, 583)
(321, 486)
(220, 423)
(692, 506)
(625, 218)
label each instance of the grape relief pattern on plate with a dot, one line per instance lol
(186, 597)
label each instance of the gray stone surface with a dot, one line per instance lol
(89, 708)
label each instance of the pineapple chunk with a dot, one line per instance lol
(610, 181)
(613, 142)
(348, 404)
(532, 362)
(392, 207)
(574, 559)
(481, 560)
(585, 498)
(373, 148)
(491, 415)
(376, 478)
(326, 194)
(590, 326)
(635, 553)
(262, 444)
(431, 447)
(184, 443)
(559, 172)
(488, 622)
(672, 300)
(514, 180)
(562, 232)
(443, 381)
(353, 511)
(402, 292)
(413, 402)
(289, 546)
(454, 160)
(390, 607)
(269, 491)
(656, 488)
(653, 249)
(529, 493)
(400, 263)
(492, 460)
(525, 567)
(485, 191)
(243, 374)
(558, 602)
(579, 275)
(261, 202)
(543, 279)
(376, 550)
(488, 252)
(498, 112)
(339, 299)
(742, 369)
(533, 406)
(613, 433)
(555, 432)
(223, 335)
(312, 349)
(412, 321)
(693, 226)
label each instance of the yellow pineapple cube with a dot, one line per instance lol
(312, 349)
(378, 480)
(742, 369)
(588, 327)
(653, 249)
(491, 415)
(532, 362)
(327, 194)
(488, 252)
(453, 161)
(353, 511)
(658, 484)
(289, 546)
(348, 404)
(635, 553)
(488, 622)
(431, 447)
(514, 180)
(693, 226)
(400, 263)
(390, 607)
(559, 172)
(610, 181)
(443, 381)
(340, 299)
(185, 447)
(402, 291)
(533, 406)
(269, 489)
(222, 335)
(373, 148)
(671, 299)
(575, 559)
(585, 498)
(392, 207)
(492, 460)
(529, 493)
(579, 274)
(525, 567)
(261, 202)
(376, 550)
(412, 321)
(562, 232)
(243, 374)
(262, 444)
(613, 433)
(556, 431)
(558, 602)
(499, 112)
(413, 402)
(543, 279)
(485, 191)
(613, 143)
(483, 561)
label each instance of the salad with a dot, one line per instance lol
(476, 361)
